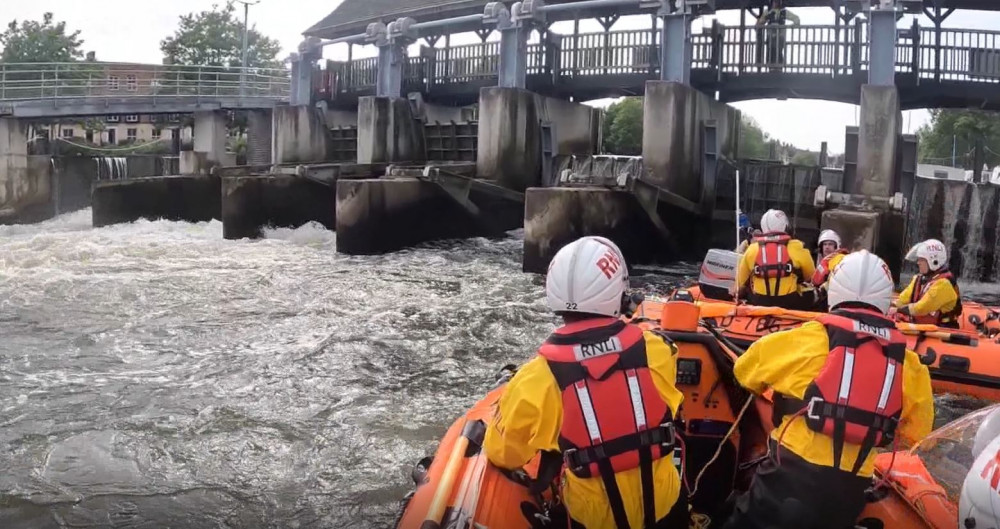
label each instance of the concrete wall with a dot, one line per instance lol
(510, 136)
(186, 198)
(250, 203)
(385, 215)
(877, 140)
(259, 132)
(17, 188)
(672, 151)
(966, 218)
(300, 135)
(554, 217)
(388, 131)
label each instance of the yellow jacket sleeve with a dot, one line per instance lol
(801, 259)
(906, 296)
(917, 419)
(785, 361)
(745, 270)
(940, 296)
(662, 361)
(527, 418)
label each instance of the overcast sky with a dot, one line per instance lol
(131, 30)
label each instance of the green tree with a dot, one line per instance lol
(34, 41)
(623, 127)
(958, 131)
(215, 38)
(754, 142)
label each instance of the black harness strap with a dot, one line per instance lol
(646, 477)
(578, 459)
(614, 495)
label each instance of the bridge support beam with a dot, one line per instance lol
(882, 45)
(13, 162)
(300, 135)
(259, 132)
(209, 144)
(391, 41)
(878, 138)
(303, 70)
(388, 131)
(515, 27)
(675, 48)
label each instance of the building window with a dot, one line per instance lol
(131, 83)
(131, 134)
(112, 82)
(156, 134)
(132, 118)
(113, 119)
(67, 133)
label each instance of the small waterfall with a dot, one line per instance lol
(966, 218)
(112, 168)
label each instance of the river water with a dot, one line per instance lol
(155, 375)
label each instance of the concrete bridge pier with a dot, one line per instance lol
(17, 189)
(663, 213)
(209, 145)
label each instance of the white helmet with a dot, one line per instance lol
(861, 277)
(933, 250)
(829, 236)
(774, 220)
(979, 505)
(988, 430)
(588, 275)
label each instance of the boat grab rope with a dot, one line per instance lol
(718, 451)
(699, 521)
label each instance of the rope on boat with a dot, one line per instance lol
(718, 451)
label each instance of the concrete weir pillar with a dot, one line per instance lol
(209, 144)
(388, 131)
(877, 141)
(300, 135)
(13, 161)
(509, 148)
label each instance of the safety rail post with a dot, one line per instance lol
(3, 81)
(856, 48)
(915, 46)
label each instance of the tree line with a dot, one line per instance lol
(209, 38)
(623, 135)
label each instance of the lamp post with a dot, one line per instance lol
(246, 32)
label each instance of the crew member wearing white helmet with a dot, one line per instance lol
(932, 296)
(774, 264)
(570, 399)
(831, 253)
(843, 385)
(979, 504)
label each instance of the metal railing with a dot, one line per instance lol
(827, 50)
(98, 80)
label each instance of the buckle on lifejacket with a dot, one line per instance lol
(570, 460)
(810, 413)
(671, 439)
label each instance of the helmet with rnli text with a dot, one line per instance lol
(589, 276)
(861, 277)
(773, 221)
(933, 250)
(829, 236)
(979, 504)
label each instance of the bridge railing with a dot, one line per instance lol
(961, 55)
(76, 80)
(828, 50)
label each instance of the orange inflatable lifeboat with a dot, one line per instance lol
(724, 432)
(962, 362)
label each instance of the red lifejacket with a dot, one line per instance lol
(823, 269)
(614, 418)
(857, 397)
(773, 260)
(920, 287)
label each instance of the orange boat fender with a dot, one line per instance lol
(911, 479)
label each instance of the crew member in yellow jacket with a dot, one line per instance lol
(933, 295)
(774, 265)
(596, 379)
(843, 386)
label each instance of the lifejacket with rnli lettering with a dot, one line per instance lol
(921, 286)
(857, 397)
(614, 418)
(773, 260)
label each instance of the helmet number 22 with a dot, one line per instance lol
(570, 306)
